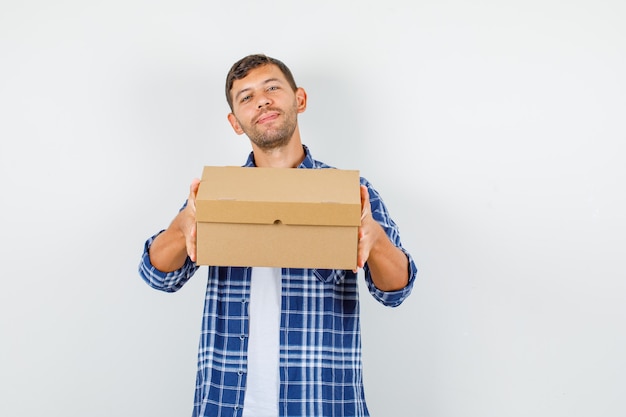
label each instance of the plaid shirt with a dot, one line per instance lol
(320, 340)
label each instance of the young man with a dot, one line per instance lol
(280, 342)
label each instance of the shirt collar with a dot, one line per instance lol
(307, 162)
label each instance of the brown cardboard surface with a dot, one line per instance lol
(278, 217)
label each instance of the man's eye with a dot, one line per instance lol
(273, 88)
(245, 98)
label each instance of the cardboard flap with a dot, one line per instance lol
(243, 195)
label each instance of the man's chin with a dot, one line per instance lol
(271, 145)
(270, 142)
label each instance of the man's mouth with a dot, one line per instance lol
(267, 117)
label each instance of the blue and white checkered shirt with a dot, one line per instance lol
(320, 340)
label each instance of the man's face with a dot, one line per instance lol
(265, 107)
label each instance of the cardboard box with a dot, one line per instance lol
(278, 217)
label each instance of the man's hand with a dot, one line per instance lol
(369, 231)
(171, 248)
(388, 265)
(187, 220)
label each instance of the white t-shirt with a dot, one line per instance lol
(261, 398)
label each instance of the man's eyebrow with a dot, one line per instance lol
(244, 90)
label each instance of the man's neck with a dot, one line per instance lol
(288, 156)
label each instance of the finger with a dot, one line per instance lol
(360, 262)
(362, 249)
(365, 202)
(363, 254)
(358, 251)
(191, 243)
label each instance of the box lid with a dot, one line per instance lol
(329, 197)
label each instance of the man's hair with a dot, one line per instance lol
(242, 67)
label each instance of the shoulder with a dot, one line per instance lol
(321, 165)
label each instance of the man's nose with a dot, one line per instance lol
(263, 100)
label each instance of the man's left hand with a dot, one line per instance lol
(369, 230)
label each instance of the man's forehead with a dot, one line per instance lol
(260, 75)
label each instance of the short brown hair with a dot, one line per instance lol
(242, 67)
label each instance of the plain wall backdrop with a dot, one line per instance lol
(494, 130)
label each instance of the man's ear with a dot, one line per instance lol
(235, 124)
(301, 99)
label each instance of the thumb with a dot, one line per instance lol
(193, 190)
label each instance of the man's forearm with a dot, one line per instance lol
(388, 265)
(168, 252)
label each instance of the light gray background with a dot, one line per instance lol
(494, 130)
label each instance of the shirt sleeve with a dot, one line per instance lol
(164, 281)
(381, 215)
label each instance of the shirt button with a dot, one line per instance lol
(243, 336)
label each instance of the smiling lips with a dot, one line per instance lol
(267, 117)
